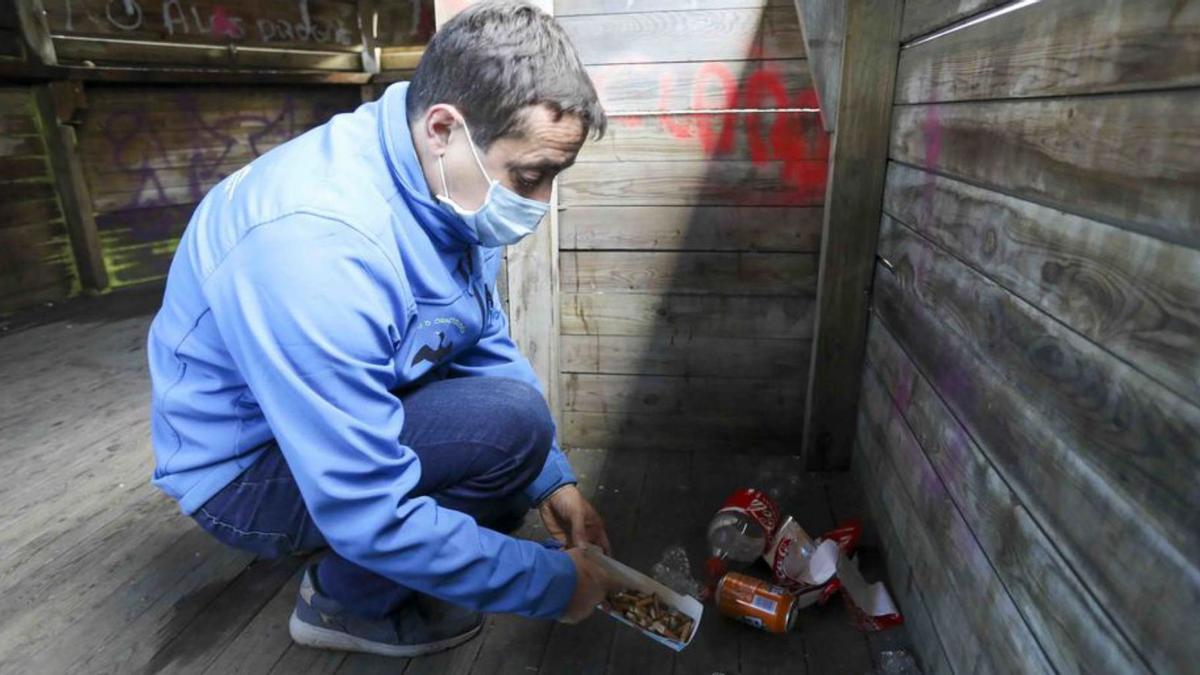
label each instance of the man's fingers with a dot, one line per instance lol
(579, 532)
(600, 538)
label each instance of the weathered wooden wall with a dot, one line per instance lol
(688, 236)
(313, 35)
(36, 263)
(405, 24)
(151, 153)
(139, 108)
(1029, 427)
(11, 44)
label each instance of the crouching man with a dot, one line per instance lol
(331, 365)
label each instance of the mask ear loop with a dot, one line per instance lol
(445, 185)
(492, 182)
(478, 162)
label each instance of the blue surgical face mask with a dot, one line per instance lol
(505, 217)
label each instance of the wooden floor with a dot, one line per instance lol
(100, 574)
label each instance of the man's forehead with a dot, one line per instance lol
(546, 138)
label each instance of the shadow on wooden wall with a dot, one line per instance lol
(689, 238)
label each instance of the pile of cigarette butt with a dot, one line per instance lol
(649, 613)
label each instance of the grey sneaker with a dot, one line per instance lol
(423, 625)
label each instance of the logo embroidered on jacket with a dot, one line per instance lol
(433, 355)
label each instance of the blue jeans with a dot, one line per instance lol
(472, 460)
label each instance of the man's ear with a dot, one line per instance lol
(438, 123)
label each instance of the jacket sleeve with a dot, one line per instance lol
(496, 355)
(311, 313)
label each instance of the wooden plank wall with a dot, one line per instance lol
(1030, 421)
(150, 153)
(36, 264)
(688, 241)
(12, 46)
(405, 24)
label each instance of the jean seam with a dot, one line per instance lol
(217, 522)
(491, 446)
(264, 481)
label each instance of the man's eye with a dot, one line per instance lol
(529, 180)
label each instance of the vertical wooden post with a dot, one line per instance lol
(368, 24)
(532, 271)
(32, 16)
(55, 106)
(824, 27)
(853, 208)
(533, 302)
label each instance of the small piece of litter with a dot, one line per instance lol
(897, 662)
(674, 571)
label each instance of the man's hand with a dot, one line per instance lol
(592, 585)
(572, 520)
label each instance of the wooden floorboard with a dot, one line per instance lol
(584, 648)
(100, 573)
(514, 644)
(845, 500)
(194, 648)
(656, 528)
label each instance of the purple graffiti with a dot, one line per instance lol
(144, 150)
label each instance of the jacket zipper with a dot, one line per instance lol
(483, 308)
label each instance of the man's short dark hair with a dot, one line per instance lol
(494, 59)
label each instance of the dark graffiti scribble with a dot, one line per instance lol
(155, 155)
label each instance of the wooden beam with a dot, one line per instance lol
(368, 24)
(199, 75)
(62, 147)
(84, 50)
(824, 27)
(534, 313)
(853, 205)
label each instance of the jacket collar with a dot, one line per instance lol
(445, 229)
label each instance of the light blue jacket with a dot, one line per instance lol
(302, 291)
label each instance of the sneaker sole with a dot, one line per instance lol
(323, 638)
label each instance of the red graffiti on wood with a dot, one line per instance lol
(794, 140)
(222, 25)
